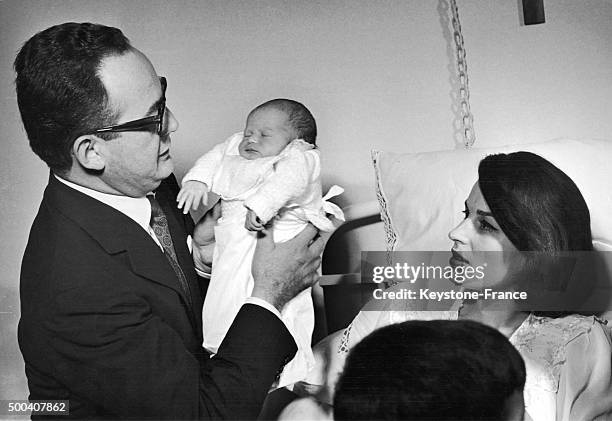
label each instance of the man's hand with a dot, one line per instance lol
(204, 239)
(282, 270)
(191, 195)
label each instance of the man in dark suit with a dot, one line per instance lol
(110, 299)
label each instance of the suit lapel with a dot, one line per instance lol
(116, 233)
(165, 197)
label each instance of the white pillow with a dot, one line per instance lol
(421, 195)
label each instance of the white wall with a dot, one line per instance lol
(376, 74)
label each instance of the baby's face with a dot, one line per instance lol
(267, 132)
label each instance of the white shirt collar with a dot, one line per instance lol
(136, 208)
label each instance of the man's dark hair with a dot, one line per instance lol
(438, 370)
(298, 115)
(59, 92)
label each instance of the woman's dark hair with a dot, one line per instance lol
(59, 93)
(541, 210)
(438, 370)
(299, 117)
(536, 205)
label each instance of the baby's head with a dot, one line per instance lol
(272, 125)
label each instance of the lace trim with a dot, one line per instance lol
(544, 341)
(385, 215)
(344, 342)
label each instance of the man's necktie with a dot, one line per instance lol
(159, 223)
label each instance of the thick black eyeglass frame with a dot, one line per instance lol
(142, 123)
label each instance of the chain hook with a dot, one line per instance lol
(467, 119)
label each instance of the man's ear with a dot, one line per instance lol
(87, 151)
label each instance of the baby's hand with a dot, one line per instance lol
(191, 195)
(252, 221)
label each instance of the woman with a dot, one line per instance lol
(522, 203)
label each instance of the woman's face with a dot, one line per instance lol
(479, 241)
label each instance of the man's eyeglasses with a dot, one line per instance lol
(143, 123)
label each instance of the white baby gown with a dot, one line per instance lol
(285, 188)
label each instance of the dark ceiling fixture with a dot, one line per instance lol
(533, 12)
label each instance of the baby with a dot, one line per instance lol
(267, 176)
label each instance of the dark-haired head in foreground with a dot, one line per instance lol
(432, 370)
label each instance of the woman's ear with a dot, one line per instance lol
(87, 151)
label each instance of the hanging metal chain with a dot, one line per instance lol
(467, 119)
